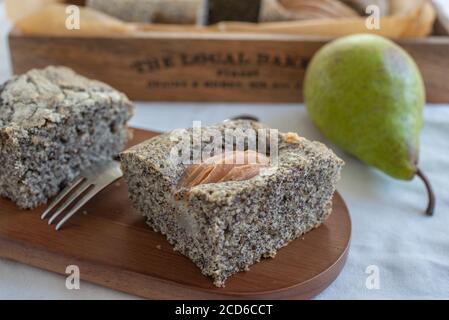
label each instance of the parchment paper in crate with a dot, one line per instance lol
(409, 18)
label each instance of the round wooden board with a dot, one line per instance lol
(113, 246)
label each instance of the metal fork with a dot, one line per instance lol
(90, 182)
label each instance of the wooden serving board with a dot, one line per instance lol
(114, 247)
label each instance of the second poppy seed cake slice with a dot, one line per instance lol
(226, 218)
(55, 123)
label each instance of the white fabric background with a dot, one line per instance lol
(389, 227)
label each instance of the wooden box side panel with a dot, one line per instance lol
(176, 68)
(432, 57)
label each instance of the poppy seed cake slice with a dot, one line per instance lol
(226, 226)
(53, 124)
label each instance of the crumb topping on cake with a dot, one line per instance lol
(50, 95)
(291, 137)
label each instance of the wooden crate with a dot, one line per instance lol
(207, 67)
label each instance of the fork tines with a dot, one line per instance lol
(81, 190)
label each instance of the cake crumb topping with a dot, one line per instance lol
(291, 137)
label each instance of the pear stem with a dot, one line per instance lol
(431, 195)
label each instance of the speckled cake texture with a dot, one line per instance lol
(53, 124)
(226, 227)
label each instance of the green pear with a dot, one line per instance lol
(366, 94)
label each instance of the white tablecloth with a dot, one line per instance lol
(390, 231)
